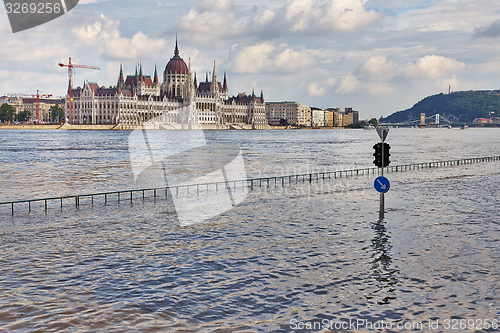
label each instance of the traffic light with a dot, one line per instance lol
(378, 155)
(386, 154)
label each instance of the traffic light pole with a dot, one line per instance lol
(382, 133)
(382, 201)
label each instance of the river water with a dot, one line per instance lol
(307, 255)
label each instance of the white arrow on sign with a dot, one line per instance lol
(382, 186)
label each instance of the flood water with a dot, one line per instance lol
(307, 255)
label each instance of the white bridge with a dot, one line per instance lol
(436, 119)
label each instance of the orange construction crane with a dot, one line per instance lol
(70, 85)
(37, 102)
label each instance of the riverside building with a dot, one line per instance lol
(289, 113)
(142, 100)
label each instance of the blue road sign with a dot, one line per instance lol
(382, 184)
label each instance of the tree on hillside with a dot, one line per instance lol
(7, 112)
(56, 113)
(373, 121)
(23, 116)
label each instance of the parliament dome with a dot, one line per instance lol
(176, 65)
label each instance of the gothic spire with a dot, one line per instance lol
(195, 83)
(206, 77)
(141, 78)
(120, 78)
(225, 82)
(261, 96)
(176, 51)
(156, 76)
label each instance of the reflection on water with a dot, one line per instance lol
(383, 270)
(306, 252)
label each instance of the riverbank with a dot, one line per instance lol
(59, 126)
(146, 126)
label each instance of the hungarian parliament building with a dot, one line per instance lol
(180, 102)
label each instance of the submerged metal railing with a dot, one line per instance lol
(250, 182)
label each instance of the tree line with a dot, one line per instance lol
(8, 113)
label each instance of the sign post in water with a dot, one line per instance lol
(381, 155)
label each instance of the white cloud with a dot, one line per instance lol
(102, 33)
(348, 85)
(378, 66)
(264, 18)
(379, 88)
(265, 58)
(253, 59)
(434, 66)
(329, 82)
(289, 60)
(378, 69)
(315, 90)
(445, 83)
(214, 5)
(215, 19)
(334, 15)
(137, 47)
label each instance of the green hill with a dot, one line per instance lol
(460, 106)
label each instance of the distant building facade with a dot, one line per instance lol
(492, 120)
(140, 99)
(302, 115)
(351, 116)
(294, 113)
(317, 117)
(15, 101)
(44, 104)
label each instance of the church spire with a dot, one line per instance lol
(261, 96)
(206, 77)
(195, 83)
(141, 78)
(176, 51)
(215, 84)
(120, 78)
(156, 76)
(225, 82)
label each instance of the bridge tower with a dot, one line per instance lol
(422, 120)
(437, 119)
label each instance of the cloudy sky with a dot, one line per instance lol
(377, 56)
